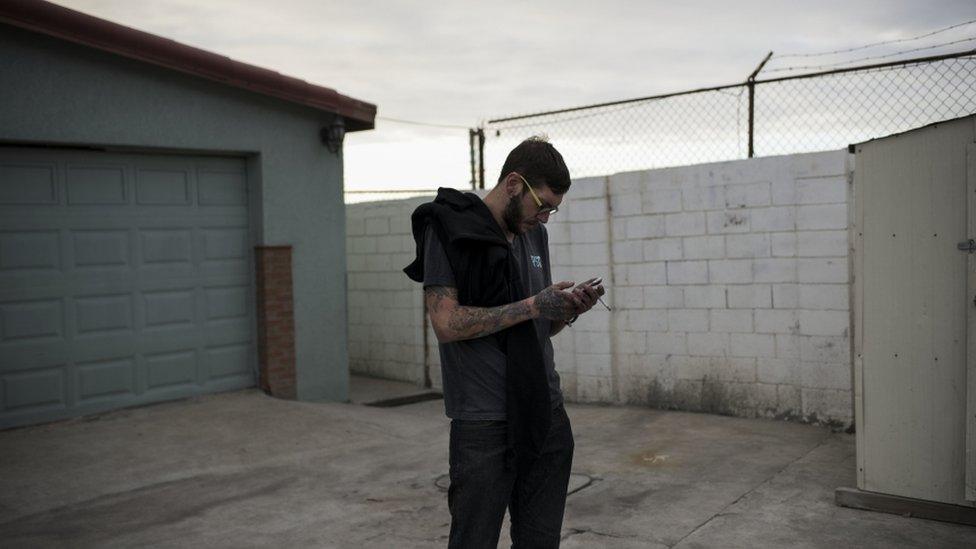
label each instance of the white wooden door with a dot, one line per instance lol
(914, 291)
(971, 328)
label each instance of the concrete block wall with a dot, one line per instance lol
(730, 285)
(579, 241)
(386, 314)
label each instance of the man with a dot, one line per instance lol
(485, 269)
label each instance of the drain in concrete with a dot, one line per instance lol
(577, 482)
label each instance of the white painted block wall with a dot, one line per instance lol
(386, 331)
(730, 285)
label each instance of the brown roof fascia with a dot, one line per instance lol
(67, 24)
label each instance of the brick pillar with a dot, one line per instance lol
(276, 321)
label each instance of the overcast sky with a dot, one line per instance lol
(459, 63)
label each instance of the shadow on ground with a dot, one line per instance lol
(245, 470)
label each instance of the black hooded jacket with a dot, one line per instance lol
(487, 276)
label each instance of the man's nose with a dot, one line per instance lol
(544, 217)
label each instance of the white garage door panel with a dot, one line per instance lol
(124, 279)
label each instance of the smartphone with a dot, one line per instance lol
(595, 284)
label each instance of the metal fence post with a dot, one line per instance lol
(481, 158)
(474, 176)
(751, 83)
(752, 92)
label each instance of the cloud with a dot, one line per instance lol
(462, 62)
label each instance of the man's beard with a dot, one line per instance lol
(512, 216)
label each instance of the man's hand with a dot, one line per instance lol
(555, 303)
(588, 295)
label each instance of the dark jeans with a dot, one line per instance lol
(481, 488)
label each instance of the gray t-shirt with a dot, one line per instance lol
(473, 370)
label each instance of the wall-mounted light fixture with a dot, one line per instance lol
(333, 134)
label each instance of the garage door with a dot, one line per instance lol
(124, 279)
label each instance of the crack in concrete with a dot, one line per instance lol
(722, 511)
(577, 531)
(160, 504)
(589, 482)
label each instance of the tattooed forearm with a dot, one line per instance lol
(454, 322)
(437, 296)
(471, 322)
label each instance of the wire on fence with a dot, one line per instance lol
(791, 114)
(375, 195)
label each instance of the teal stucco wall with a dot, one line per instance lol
(57, 92)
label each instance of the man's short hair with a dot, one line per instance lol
(539, 163)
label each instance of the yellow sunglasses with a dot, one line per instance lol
(549, 210)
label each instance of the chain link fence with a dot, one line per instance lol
(793, 114)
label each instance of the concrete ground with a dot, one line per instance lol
(245, 470)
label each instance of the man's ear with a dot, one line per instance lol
(511, 183)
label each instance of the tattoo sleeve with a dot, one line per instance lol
(553, 306)
(454, 322)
